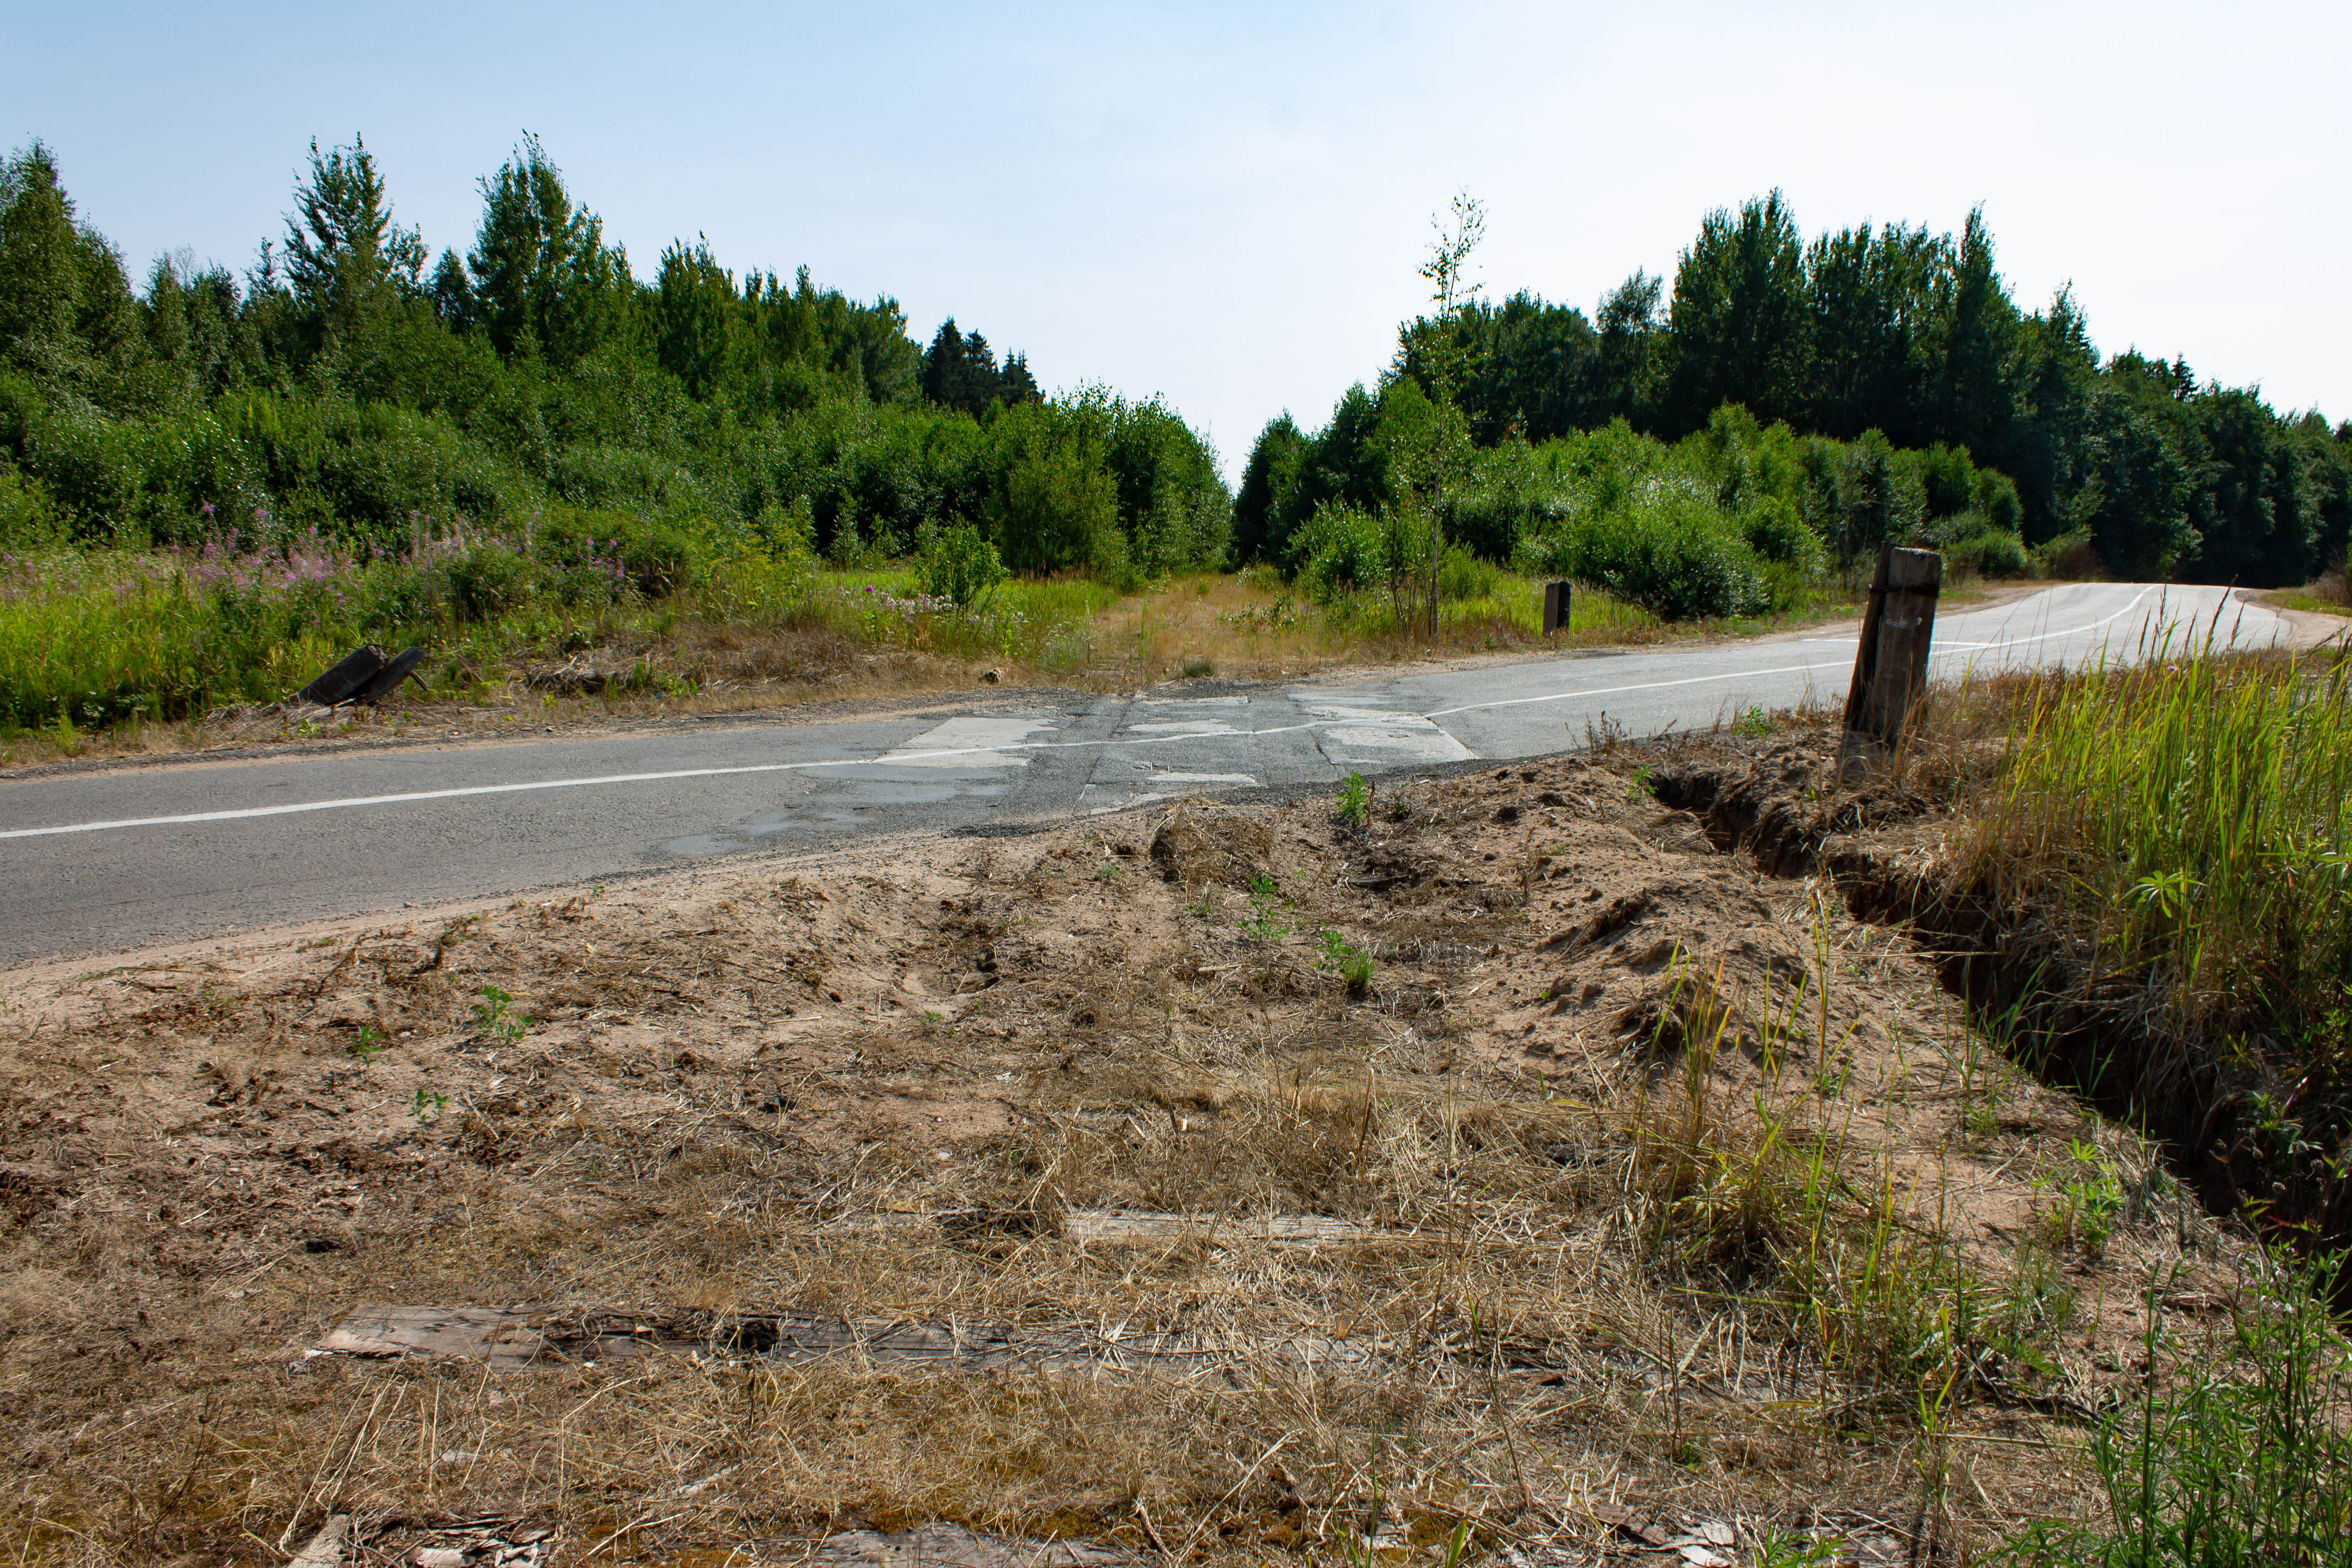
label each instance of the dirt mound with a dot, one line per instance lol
(1782, 803)
(1202, 844)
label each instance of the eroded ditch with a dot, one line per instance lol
(2217, 1108)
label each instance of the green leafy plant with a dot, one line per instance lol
(2089, 1196)
(958, 564)
(2224, 1460)
(365, 1043)
(1355, 800)
(495, 1017)
(428, 1104)
(1264, 923)
(1344, 958)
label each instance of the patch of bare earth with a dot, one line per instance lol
(1009, 1192)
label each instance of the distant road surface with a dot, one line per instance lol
(103, 861)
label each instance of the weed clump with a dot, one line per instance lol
(2228, 1454)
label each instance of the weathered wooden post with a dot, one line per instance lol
(1555, 607)
(1890, 667)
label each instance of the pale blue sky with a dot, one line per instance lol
(1225, 203)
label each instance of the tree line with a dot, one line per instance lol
(1891, 337)
(351, 382)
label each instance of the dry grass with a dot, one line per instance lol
(1684, 1196)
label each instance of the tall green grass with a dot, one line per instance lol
(2234, 1452)
(1042, 623)
(89, 640)
(2195, 808)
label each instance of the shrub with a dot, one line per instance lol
(1671, 552)
(1058, 509)
(1337, 551)
(1989, 553)
(656, 558)
(1462, 574)
(958, 564)
(27, 518)
(1775, 532)
(2071, 555)
(486, 582)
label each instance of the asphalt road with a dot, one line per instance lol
(102, 861)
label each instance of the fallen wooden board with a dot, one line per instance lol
(515, 1336)
(952, 1546)
(1131, 1228)
(503, 1336)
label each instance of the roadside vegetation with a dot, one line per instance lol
(2178, 826)
(2134, 876)
(2182, 827)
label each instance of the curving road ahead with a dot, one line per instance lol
(100, 861)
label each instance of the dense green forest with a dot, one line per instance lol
(352, 388)
(1873, 384)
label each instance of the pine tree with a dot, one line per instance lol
(1016, 385)
(1737, 321)
(40, 266)
(335, 240)
(694, 317)
(1272, 471)
(542, 279)
(1977, 391)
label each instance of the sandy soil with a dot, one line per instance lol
(1636, 1200)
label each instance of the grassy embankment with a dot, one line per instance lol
(2145, 886)
(168, 650)
(2328, 595)
(2174, 831)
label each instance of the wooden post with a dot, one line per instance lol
(1890, 667)
(1555, 607)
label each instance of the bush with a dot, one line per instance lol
(1462, 574)
(1056, 509)
(1776, 533)
(1337, 551)
(486, 582)
(656, 558)
(28, 519)
(1996, 501)
(1668, 560)
(1671, 553)
(1990, 553)
(2071, 556)
(958, 564)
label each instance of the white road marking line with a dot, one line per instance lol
(950, 738)
(892, 758)
(1616, 691)
(2006, 642)
(2044, 636)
